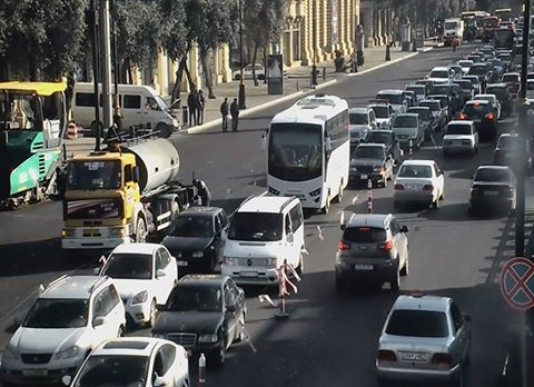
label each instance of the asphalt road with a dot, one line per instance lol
(328, 340)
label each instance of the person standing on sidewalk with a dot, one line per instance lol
(234, 111)
(224, 112)
(201, 104)
(192, 104)
(203, 192)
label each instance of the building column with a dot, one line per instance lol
(341, 22)
(162, 74)
(226, 71)
(367, 21)
(193, 65)
(323, 27)
(378, 27)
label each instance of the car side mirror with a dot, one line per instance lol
(98, 321)
(160, 382)
(343, 226)
(66, 379)
(328, 144)
(404, 229)
(160, 273)
(468, 318)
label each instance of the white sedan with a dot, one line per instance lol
(134, 361)
(419, 181)
(260, 72)
(145, 274)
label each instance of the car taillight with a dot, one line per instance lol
(442, 360)
(388, 246)
(462, 116)
(384, 355)
(342, 245)
(490, 116)
(398, 187)
(428, 188)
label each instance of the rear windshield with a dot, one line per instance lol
(424, 114)
(364, 235)
(415, 171)
(434, 106)
(439, 74)
(256, 226)
(477, 111)
(492, 174)
(441, 89)
(498, 91)
(478, 70)
(466, 85)
(417, 89)
(508, 142)
(510, 78)
(358, 118)
(418, 323)
(465, 63)
(405, 122)
(473, 80)
(395, 99)
(458, 129)
(443, 100)
(379, 138)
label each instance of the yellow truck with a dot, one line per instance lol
(125, 194)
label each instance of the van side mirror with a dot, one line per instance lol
(161, 273)
(290, 238)
(98, 321)
(66, 379)
(135, 174)
(328, 144)
(404, 229)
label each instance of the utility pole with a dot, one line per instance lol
(107, 116)
(117, 117)
(314, 42)
(96, 71)
(242, 104)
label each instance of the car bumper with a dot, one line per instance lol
(253, 275)
(458, 148)
(365, 177)
(373, 270)
(417, 375)
(490, 203)
(138, 314)
(413, 196)
(92, 243)
(19, 376)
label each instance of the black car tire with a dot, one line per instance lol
(435, 204)
(153, 315)
(394, 282)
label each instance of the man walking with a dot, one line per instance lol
(201, 104)
(234, 112)
(203, 192)
(192, 104)
(224, 112)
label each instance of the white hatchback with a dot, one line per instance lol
(460, 137)
(419, 181)
(134, 361)
(145, 274)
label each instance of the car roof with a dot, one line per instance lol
(460, 122)
(383, 131)
(415, 115)
(428, 100)
(486, 95)
(497, 167)
(371, 145)
(267, 204)
(128, 346)
(200, 211)
(508, 135)
(425, 302)
(438, 96)
(499, 85)
(516, 73)
(359, 110)
(477, 102)
(75, 287)
(418, 162)
(440, 68)
(136, 248)
(418, 108)
(390, 91)
(202, 279)
(418, 86)
(369, 220)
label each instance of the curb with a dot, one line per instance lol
(218, 121)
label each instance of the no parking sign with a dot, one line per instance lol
(517, 283)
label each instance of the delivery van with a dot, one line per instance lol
(141, 107)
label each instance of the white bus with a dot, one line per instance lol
(308, 151)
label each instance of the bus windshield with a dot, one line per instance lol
(295, 151)
(491, 22)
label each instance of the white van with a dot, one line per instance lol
(453, 28)
(264, 231)
(141, 107)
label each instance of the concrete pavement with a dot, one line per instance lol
(328, 340)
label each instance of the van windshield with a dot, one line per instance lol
(256, 226)
(161, 103)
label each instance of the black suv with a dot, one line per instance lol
(503, 95)
(371, 162)
(204, 313)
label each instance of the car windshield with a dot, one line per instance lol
(510, 78)
(114, 371)
(492, 174)
(441, 89)
(379, 138)
(465, 63)
(358, 119)
(381, 111)
(475, 110)
(458, 129)
(418, 323)
(478, 70)
(395, 99)
(434, 106)
(364, 235)
(256, 226)
(202, 298)
(190, 226)
(56, 313)
(129, 266)
(439, 74)
(94, 175)
(508, 142)
(415, 171)
(405, 122)
(369, 152)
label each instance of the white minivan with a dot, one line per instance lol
(264, 231)
(141, 107)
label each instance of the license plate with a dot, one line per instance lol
(249, 274)
(34, 373)
(412, 187)
(363, 267)
(363, 176)
(183, 263)
(491, 193)
(414, 356)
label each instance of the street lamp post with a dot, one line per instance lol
(116, 99)
(241, 95)
(314, 42)
(96, 71)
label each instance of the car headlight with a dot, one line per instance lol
(116, 232)
(159, 335)
(229, 261)
(315, 192)
(68, 233)
(68, 353)
(140, 297)
(198, 254)
(272, 262)
(10, 353)
(208, 338)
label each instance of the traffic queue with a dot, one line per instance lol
(187, 287)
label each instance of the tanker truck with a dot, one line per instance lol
(127, 193)
(32, 126)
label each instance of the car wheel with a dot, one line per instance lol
(406, 268)
(435, 204)
(153, 314)
(394, 283)
(141, 231)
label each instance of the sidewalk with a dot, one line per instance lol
(298, 81)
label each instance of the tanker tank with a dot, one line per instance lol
(158, 163)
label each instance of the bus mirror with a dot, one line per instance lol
(263, 142)
(328, 144)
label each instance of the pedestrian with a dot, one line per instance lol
(234, 112)
(201, 104)
(192, 104)
(203, 192)
(224, 112)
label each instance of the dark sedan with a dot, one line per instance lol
(429, 123)
(507, 150)
(371, 162)
(197, 237)
(503, 95)
(494, 188)
(204, 313)
(482, 71)
(388, 138)
(481, 112)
